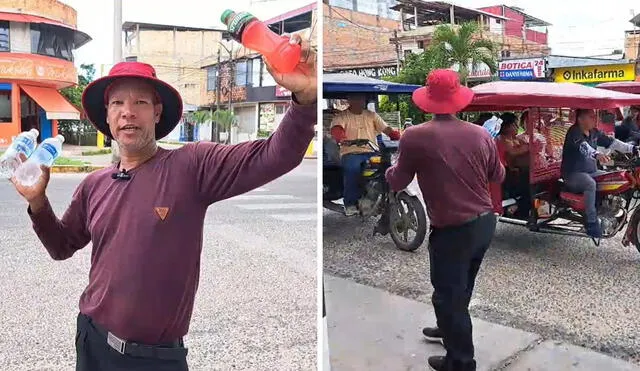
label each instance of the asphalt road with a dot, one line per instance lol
(256, 303)
(561, 288)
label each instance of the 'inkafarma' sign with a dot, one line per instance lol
(603, 73)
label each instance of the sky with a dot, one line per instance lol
(577, 29)
(96, 19)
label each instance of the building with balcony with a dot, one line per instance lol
(241, 80)
(37, 40)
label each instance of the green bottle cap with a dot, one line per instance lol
(226, 14)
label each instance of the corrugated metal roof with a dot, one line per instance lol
(560, 61)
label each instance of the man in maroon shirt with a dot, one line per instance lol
(145, 215)
(455, 161)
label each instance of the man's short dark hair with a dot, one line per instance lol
(581, 112)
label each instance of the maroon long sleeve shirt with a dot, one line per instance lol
(454, 162)
(147, 232)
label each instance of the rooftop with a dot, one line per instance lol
(528, 19)
(431, 12)
(131, 26)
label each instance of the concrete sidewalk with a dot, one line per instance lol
(371, 329)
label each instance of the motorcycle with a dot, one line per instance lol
(555, 208)
(399, 212)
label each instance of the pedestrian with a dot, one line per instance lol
(454, 162)
(145, 215)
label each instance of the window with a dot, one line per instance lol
(212, 78)
(243, 73)
(255, 71)
(131, 59)
(52, 41)
(5, 41)
(5, 106)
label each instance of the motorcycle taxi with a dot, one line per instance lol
(555, 209)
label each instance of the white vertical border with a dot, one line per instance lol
(320, 329)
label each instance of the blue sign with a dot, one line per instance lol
(526, 74)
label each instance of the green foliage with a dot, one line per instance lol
(462, 47)
(72, 129)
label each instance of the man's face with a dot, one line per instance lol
(357, 103)
(132, 113)
(587, 119)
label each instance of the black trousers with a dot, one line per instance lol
(95, 354)
(455, 255)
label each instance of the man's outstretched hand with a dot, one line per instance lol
(302, 81)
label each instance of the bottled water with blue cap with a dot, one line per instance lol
(493, 126)
(46, 154)
(24, 144)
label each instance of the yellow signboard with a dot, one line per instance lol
(606, 73)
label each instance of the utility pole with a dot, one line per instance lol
(214, 126)
(117, 57)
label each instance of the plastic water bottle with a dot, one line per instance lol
(493, 126)
(29, 173)
(24, 143)
(256, 35)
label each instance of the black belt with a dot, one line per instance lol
(472, 219)
(173, 350)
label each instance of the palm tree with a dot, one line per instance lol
(462, 46)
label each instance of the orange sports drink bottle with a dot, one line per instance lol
(255, 35)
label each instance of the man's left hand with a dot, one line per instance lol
(394, 135)
(303, 80)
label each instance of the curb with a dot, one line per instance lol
(75, 169)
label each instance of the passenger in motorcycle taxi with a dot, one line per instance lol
(629, 131)
(579, 162)
(357, 122)
(515, 156)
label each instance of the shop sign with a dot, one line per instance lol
(282, 91)
(35, 67)
(603, 73)
(522, 69)
(476, 71)
(373, 72)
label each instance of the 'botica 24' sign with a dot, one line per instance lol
(605, 73)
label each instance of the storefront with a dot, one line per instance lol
(36, 61)
(522, 69)
(594, 75)
(29, 97)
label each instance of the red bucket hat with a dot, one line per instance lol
(94, 99)
(443, 93)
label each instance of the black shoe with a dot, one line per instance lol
(438, 363)
(433, 334)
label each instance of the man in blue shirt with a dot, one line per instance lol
(579, 156)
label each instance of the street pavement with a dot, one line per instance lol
(256, 306)
(559, 287)
(371, 329)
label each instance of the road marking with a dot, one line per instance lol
(278, 206)
(262, 197)
(295, 217)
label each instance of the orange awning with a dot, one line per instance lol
(52, 102)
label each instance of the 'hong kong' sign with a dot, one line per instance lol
(522, 69)
(373, 72)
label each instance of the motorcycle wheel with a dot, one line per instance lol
(400, 232)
